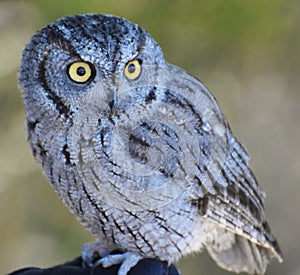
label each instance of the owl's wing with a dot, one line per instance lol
(238, 212)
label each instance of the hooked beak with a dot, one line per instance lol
(102, 96)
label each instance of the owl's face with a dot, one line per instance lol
(67, 58)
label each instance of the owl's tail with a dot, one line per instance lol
(241, 255)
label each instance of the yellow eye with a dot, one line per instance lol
(133, 69)
(80, 72)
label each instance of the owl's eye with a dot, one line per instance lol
(133, 69)
(80, 72)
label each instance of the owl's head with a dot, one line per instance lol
(67, 58)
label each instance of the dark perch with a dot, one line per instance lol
(74, 267)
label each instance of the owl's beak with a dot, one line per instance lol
(101, 97)
(112, 104)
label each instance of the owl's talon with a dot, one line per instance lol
(127, 260)
(91, 253)
(89, 259)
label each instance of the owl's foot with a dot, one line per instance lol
(91, 252)
(127, 260)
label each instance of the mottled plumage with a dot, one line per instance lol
(139, 150)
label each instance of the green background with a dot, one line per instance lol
(246, 52)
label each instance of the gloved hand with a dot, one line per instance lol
(74, 267)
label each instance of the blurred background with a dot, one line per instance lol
(246, 52)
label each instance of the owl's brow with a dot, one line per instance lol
(141, 41)
(59, 40)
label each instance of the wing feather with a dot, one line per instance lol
(237, 206)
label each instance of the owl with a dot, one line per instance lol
(138, 149)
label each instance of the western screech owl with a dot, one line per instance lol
(138, 149)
